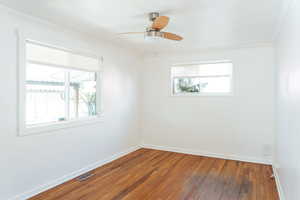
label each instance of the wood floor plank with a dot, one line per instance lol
(197, 178)
(177, 175)
(232, 188)
(212, 178)
(154, 181)
(160, 175)
(246, 185)
(269, 183)
(134, 179)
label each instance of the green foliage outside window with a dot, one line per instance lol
(187, 85)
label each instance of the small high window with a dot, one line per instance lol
(202, 79)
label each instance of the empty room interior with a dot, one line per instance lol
(150, 100)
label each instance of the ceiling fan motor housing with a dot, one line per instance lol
(153, 16)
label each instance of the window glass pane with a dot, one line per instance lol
(202, 78)
(45, 94)
(188, 85)
(202, 85)
(216, 85)
(82, 94)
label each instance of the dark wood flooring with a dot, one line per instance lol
(161, 175)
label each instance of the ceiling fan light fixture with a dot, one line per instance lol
(153, 35)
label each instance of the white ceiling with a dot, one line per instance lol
(203, 23)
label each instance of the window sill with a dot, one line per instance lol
(38, 129)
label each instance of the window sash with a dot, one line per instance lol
(182, 73)
(67, 86)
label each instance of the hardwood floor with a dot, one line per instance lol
(161, 175)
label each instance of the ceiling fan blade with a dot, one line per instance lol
(160, 22)
(171, 36)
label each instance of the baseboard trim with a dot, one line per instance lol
(278, 184)
(72, 175)
(208, 154)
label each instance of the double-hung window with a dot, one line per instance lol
(60, 88)
(202, 79)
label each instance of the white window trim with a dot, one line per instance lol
(24, 130)
(215, 94)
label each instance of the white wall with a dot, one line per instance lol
(240, 127)
(29, 162)
(288, 134)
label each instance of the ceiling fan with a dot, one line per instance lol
(154, 30)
